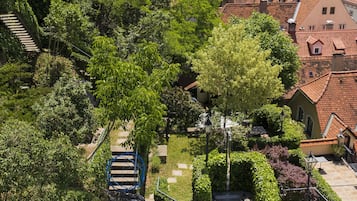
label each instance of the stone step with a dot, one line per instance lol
(121, 187)
(17, 29)
(13, 24)
(8, 18)
(7, 15)
(124, 173)
(122, 180)
(11, 21)
(19, 32)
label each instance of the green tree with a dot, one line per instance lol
(32, 168)
(66, 22)
(181, 109)
(50, 68)
(235, 67)
(67, 110)
(283, 51)
(192, 24)
(13, 76)
(128, 91)
(237, 70)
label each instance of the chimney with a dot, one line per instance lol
(337, 62)
(263, 6)
(292, 29)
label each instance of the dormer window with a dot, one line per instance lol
(314, 45)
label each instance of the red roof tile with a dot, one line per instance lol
(334, 126)
(321, 141)
(343, 38)
(338, 43)
(280, 11)
(310, 14)
(316, 88)
(335, 92)
(340, 97)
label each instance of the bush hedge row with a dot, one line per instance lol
(250, 172)
(293, 134)
(201, 183)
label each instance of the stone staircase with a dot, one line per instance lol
(124, 176)
(16, 27)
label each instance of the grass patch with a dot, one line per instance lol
(178, 152)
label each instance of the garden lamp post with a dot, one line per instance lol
(311, 162)
(208, 127)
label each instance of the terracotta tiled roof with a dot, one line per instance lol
(280, 11)
(321, 141)
(338, 43)
(346, 38)
(316, 88)
(339, 97)
(334, 126)
(310, 14)
(304, 10)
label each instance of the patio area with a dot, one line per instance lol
(341, 178)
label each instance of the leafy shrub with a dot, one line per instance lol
(98, 177)
(203, 189)
(201, 184)
(250, 171)
(50, 68)
(179, 103)
(293, 134)
(155, 164)
(268, 116)
(338, 150)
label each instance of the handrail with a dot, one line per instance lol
(101, 139)
(161, 192)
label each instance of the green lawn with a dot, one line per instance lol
(178, 152)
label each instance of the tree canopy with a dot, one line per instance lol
(266, 30)
(234, 67)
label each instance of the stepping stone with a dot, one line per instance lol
(177, 172)
(182, 166)
(171, 180)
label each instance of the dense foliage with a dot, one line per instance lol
(237, 70)
(181, 109)
(250, 172)
(33, 168)
(266, 30)
(67, 111)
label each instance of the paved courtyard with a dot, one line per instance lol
(341, 178)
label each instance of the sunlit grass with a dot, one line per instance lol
(178, 152)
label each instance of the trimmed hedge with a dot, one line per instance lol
(201, 183)
(250, 171)
(293, 134)
(297, 156)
